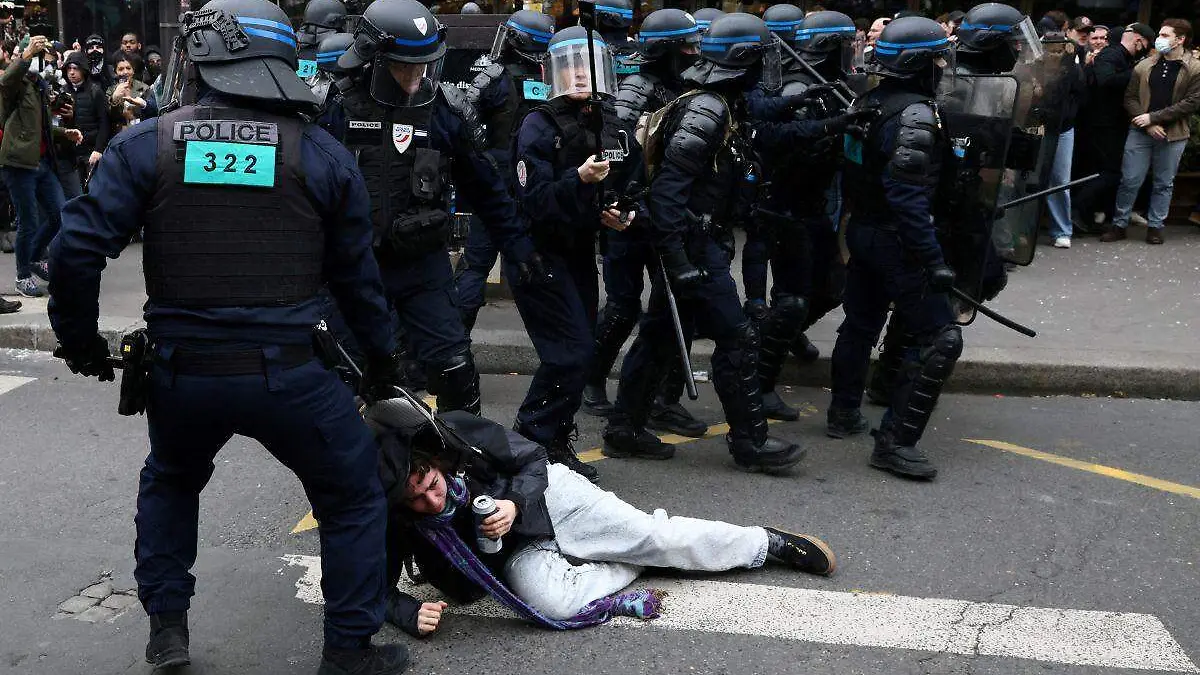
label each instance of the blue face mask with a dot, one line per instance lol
(1163, 45)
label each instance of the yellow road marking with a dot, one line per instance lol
(593, 455)
(1099, 469)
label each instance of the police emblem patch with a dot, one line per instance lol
(522, 173)
(421, 24)
(402, 135)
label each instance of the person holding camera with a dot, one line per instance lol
(127, 98)
(27, 163)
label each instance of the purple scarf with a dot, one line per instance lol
(644, 604)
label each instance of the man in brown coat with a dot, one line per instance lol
(1162, 94)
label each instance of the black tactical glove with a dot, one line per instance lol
(851, 119)
(90, 360)
(811, 95)
(683, 276)
(533, 270)
(941, 278)
(382, 374)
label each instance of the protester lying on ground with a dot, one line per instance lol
(563, 548)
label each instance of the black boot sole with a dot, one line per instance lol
(835, 432)
(612, 451)
(902, 470)
(781, 414)
(777, 468)
(598, 409)
(667, 427)
(820, 544)
(171, 660)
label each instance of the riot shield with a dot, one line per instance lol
(978, 114)
(469, 39)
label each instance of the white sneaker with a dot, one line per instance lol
(1138, 219)
(1062, 242)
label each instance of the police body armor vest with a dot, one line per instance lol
(405, 177)
(526, 91)
(862, 173)
(230, 222)
(801, 174)
(574, 142)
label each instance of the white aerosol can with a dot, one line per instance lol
(484, 506)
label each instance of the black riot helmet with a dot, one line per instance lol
(321, 18)
(784, 20)
(526, 32)
(988, 26)
(614, 16)
(737, 46)
(705, 16)
(909, 48)
(470, 8)
(393, 32)
(331, 49)
(664, 31)
(243, 48)
(827, 38)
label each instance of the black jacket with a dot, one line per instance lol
(508, 466)
(1106, 81)
(91, 115)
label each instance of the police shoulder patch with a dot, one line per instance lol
(522, 173)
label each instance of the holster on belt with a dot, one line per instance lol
(136, 357)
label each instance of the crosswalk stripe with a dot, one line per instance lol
(10, 382)
(1068, 636)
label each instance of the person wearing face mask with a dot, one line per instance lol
(100, 70)
(1162, 95)
(1101, 140)
(153, 64)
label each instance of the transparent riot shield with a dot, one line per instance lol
(978, 114)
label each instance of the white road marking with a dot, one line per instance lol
(10, 382)
(1076, 637)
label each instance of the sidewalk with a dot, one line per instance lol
(1117, 319)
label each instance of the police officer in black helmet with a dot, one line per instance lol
(322, 18)
(798, 136)
(410, 131)
(705, 16)
(507, 88)
(246, 211)
(702, 164)
(614, 19)
(324, 86)
(669, 43)
(890, 181)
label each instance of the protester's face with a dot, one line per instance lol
(1168, 33)
(1078, 37)
(1098, 39)
(95, 49)
(876, 28)
(426, 494)
(407, 75)
(154, 61)
(129, 43)
(124, 71)
(74, 74)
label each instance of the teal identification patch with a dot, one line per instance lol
(239, 164)
(536, 91)
(307, 68)
(622, 68)
(852, 148)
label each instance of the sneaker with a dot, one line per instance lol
(804, 552)
(1062, 242)
(1113, 233)
(27, 287)
(627, 442)
(374, 660)
(775, 409)
(805, 350)
(1098, 218)
(562, 451)
(41, 269)
(595, 401)
(903, 460)
(842, 422)
(168, 644)
(1154, 235)
(1138, 219)
(675, 419)
(9, 306)
(774, 455)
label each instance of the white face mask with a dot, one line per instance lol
(1163, 45)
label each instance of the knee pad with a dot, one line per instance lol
(456, 383)
(746, 337)
(949, 343)
(619, 317)
(790, 308)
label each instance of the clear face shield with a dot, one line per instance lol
(772, 66)
(504, 33)
(405, 85)
(570, 69)
(169, 89)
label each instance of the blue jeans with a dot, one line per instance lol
(1143, 153)
(29, 189)
(1060, 173)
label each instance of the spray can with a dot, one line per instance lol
(484, 506)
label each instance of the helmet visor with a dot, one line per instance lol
(169, 89)
(772, 66)
(571, 65)
(1027, 43)
(405, 85)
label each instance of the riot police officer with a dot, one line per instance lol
(890, 180)
(705, 16)
(988, 38)
(409, 132)
(669, 44)
(614, 19)
(798, 133)
(325, 86)
(700, 154)
(239, 235)
(566, 192)
(321, 19)
(506, 89)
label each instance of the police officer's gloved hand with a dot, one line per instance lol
(683, 276)
(851, 118)
(533, 270)
(90, 360)
(381, 375)
(941, 278)
(811, 95)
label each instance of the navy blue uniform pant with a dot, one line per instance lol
(882, 274)
(560, 316)
(480, 255)
(423, 294)
(306, 418)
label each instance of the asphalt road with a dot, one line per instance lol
(996, 527)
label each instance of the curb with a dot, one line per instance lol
(509, 352)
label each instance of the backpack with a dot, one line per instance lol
(650, 128)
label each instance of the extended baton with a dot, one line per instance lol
(813, 72)
(1048, 191)
(992, 314)
(689, 378)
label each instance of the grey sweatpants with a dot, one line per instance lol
(618, 541)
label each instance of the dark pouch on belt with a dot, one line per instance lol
(135, 372)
